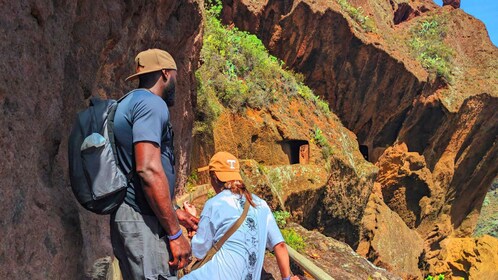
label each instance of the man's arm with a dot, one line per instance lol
(156, 189)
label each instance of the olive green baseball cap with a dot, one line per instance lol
(152, 60)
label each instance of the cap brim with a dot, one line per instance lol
(228, 176)
(134, 76)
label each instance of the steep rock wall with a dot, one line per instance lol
(55, 55)
(381, 94)
(340, 191)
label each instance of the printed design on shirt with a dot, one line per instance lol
(251, 224)
(252, 259)
(250, 229)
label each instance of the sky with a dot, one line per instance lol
(484, 10)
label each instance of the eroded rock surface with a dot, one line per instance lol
(335, 192)
(475, 258)
(388, 242)
(55, 55)
(407, 186)
(454, 3)
(385, 97)
(337, 259)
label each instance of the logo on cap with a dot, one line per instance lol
(231, 162)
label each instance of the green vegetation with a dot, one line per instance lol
(488, 219)
(429, 48)
(293, 239)
(306, 93)
(238, 73)
(322, 142)
(192, 181)
(489, 227)
(281, 218)
(439, 277)
(210, 193)
(357, 15)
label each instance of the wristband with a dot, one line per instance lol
(175, 236)
(286, 278)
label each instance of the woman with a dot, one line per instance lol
(242, 255)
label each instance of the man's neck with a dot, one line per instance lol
(156, 89)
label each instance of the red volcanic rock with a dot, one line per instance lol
(388, 242)
(407, 185)
(454, 3)
(55, 55)
(469, 258)
(378, 95)
(383, 95)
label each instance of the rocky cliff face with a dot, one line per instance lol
(55, 55)
(325, 189)
(386, 97)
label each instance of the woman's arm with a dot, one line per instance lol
(283, 261)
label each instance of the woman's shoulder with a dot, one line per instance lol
(259, 201)
(217, 202)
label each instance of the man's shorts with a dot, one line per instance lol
(140, 244)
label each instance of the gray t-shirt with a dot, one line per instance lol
(143, 116)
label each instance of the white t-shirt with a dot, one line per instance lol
(242, 255)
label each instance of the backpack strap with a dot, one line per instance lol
(110, 130)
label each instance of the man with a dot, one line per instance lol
(145, 231)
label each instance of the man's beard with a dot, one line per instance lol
(169, 93)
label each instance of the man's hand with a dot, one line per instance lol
(181, 252)
(190, 208)
(188, 221)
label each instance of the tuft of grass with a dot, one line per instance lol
(293, 239)
(323, 143)
(427, 45)
(439, 277)
(281, 218)
(192, 181)
(489, 227)
(357, 14)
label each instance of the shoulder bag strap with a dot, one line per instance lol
(198, 263)
(234, 228)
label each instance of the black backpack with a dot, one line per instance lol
(96, 178)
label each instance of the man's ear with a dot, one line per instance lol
(164, 74)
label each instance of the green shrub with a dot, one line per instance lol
(428, 47)
(357, 14)
(281, 218)
(238, 73)
(192, 181)
(210, 193)
(490, 227)
(293, 239)
(439, 277)
(323, 143)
